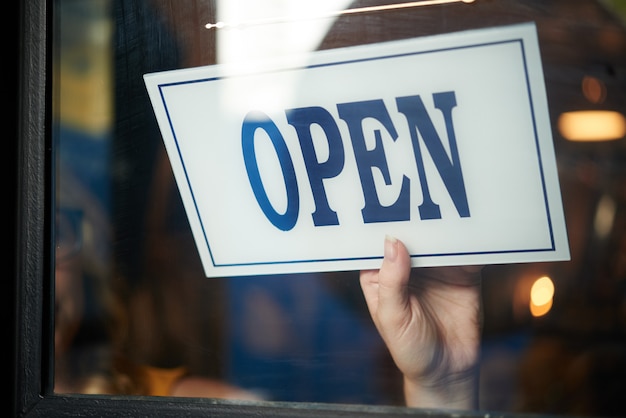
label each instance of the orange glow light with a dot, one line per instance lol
(538, 311)
(541, 294)
(592, 125)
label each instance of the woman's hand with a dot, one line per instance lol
(430, 320)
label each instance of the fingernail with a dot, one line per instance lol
(391, 248)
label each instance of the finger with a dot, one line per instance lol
(393, 279)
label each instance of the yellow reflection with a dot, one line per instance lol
(592, 125)
(538, 311)
(541, 295)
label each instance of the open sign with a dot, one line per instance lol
(305, 164)
(354, 114)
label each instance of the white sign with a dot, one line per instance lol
(299, 165)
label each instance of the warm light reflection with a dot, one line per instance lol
(593, 89)
(541, 310)
(542, 291)
(541, 296)
(335, 13)
(592, 125)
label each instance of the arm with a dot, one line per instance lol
(430, 321)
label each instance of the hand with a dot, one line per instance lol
(430, 321)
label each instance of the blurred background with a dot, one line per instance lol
(554, 338)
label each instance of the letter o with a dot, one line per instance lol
(258, 120)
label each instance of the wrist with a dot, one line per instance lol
(460, 394)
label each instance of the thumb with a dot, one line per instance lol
(393, 279)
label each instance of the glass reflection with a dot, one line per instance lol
(134, 313)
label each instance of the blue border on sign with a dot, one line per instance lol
(353, 61)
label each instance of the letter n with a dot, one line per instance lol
(449, 168)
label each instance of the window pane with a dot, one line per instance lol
(135, 313)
